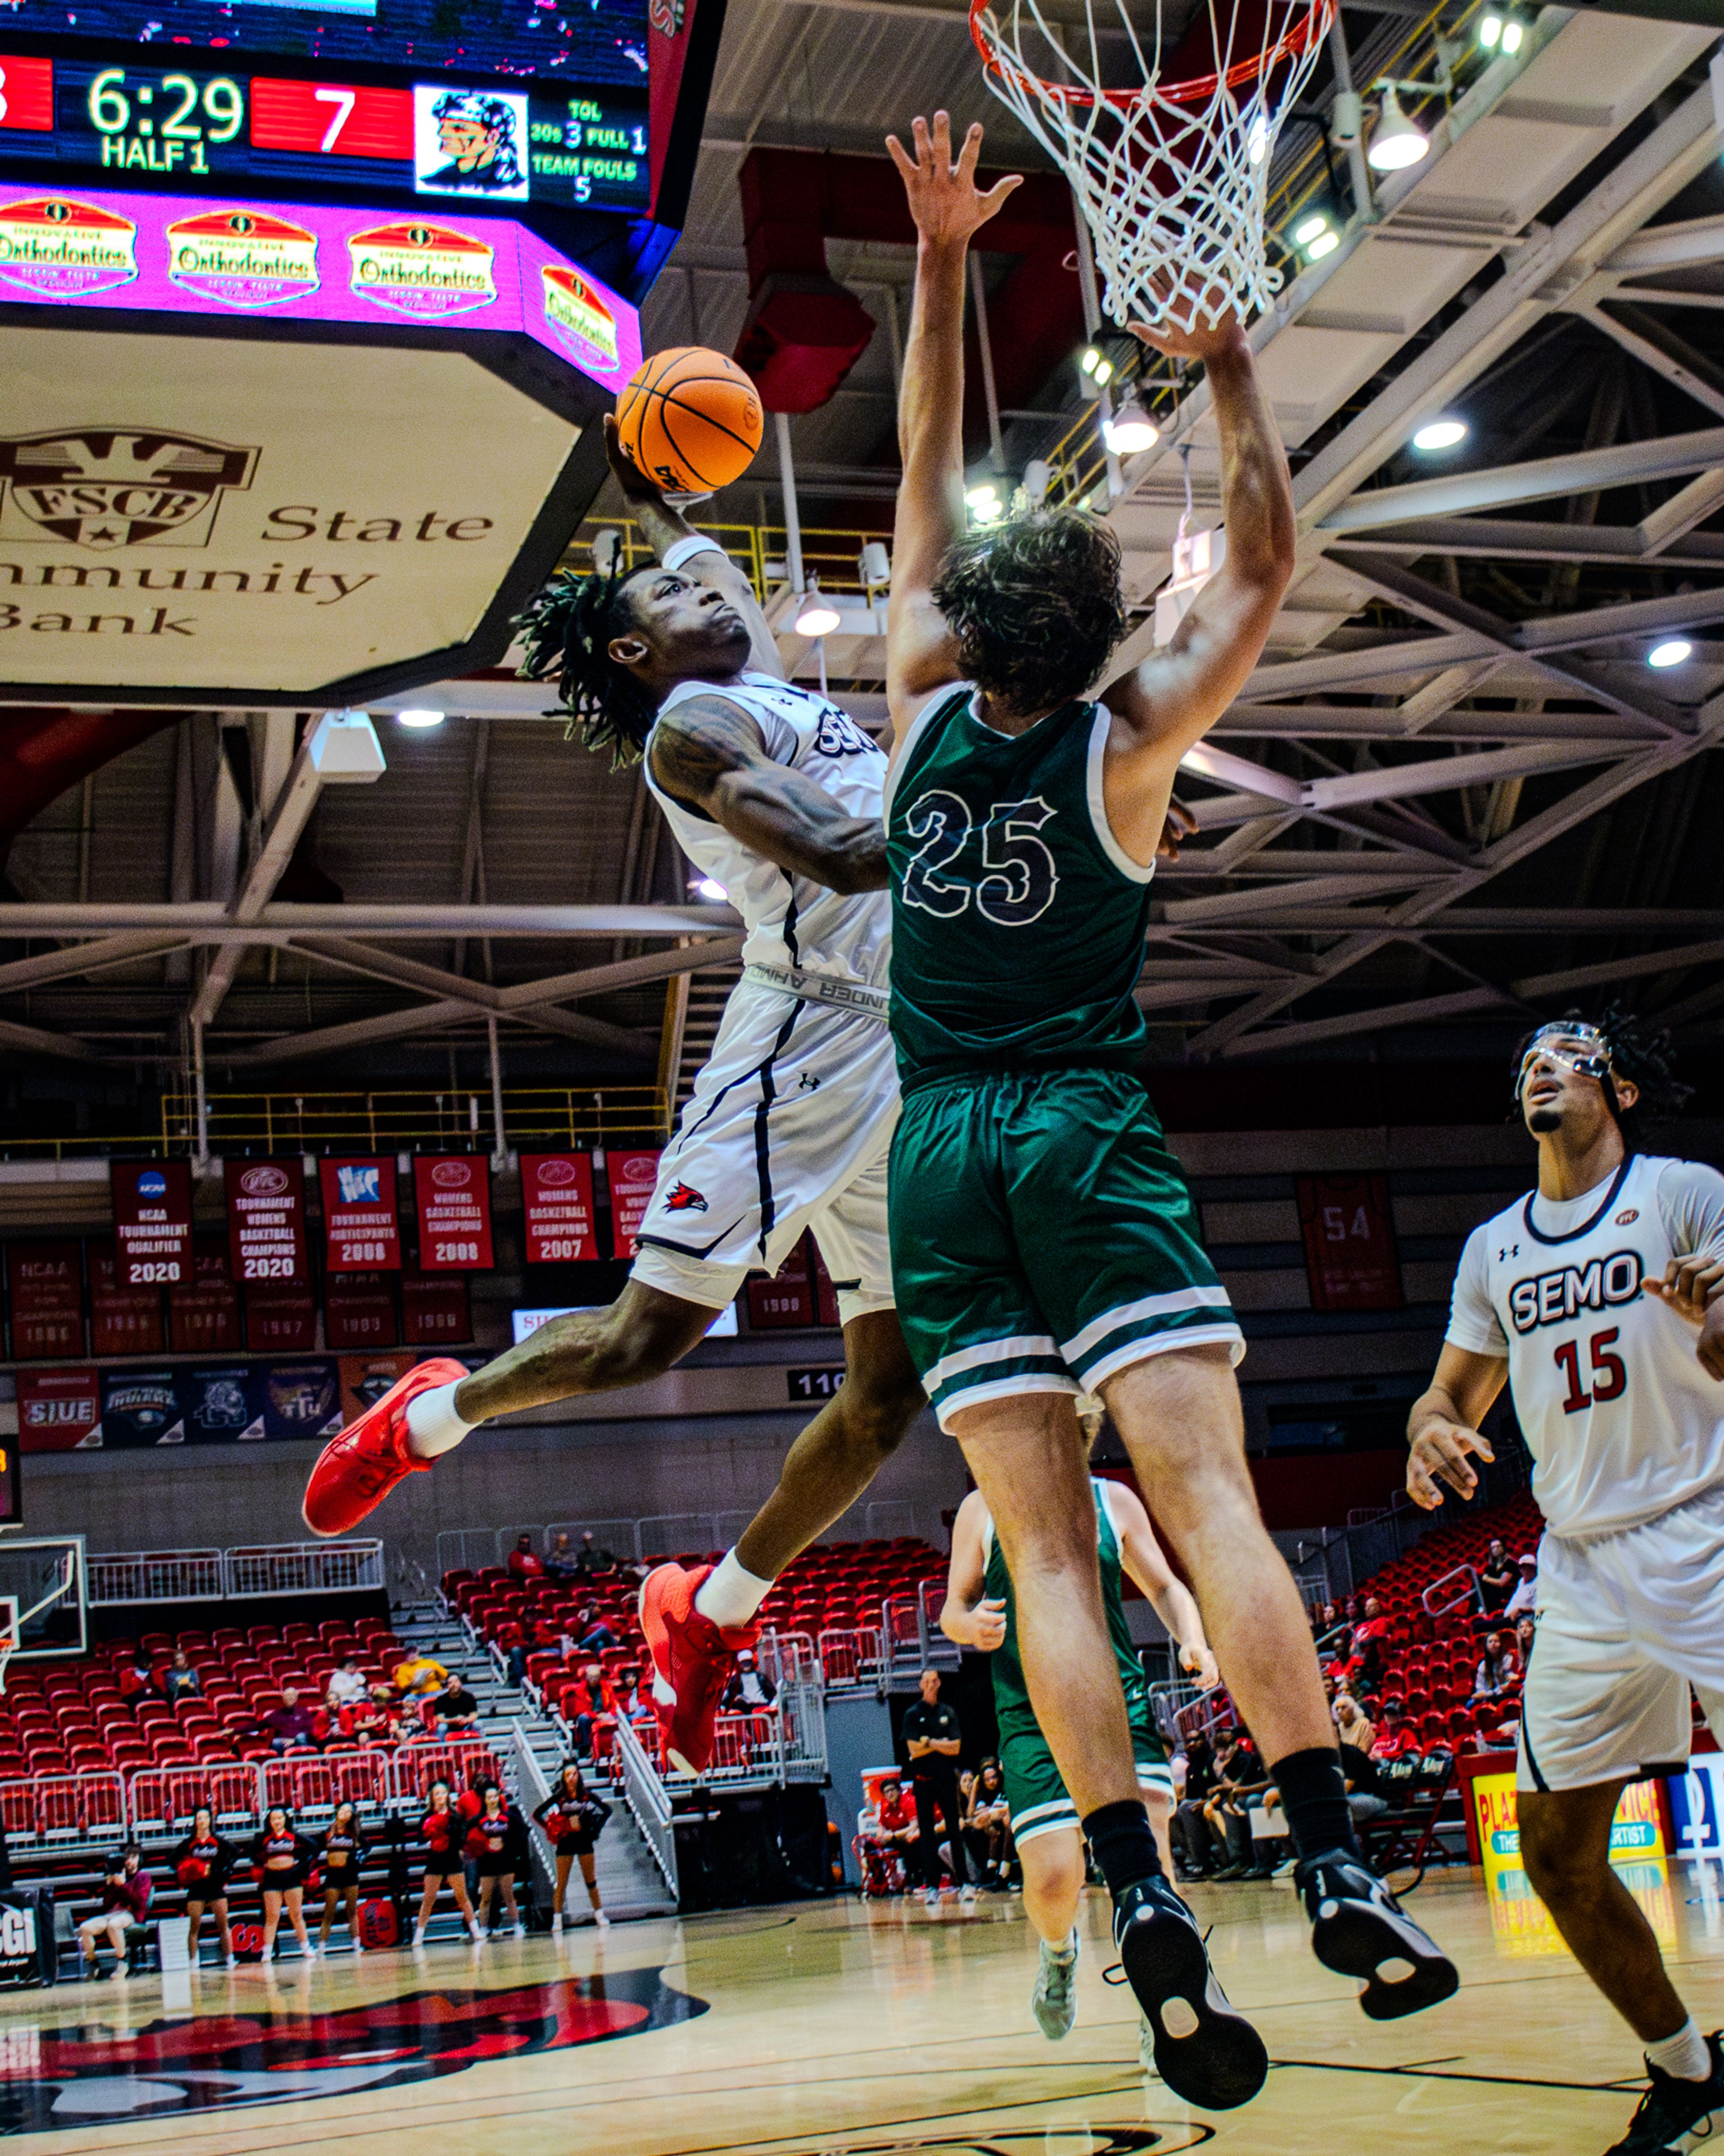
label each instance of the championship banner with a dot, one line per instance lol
(434, 1313)
(266, 1220)
(123, 1321)
(279, 1320)
(557, 1197)
(788, 1299)
(221, 1404)
(633, 1177)
(152, 1221)
(361, 1232)
(140, 1408)
(1350, 1258)
(359, 1311)
(44, 1283)
(203, 1312)
(58, 1411)
(365, 1379)
(301, 1399)
(453, 1194)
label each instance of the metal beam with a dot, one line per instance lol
(1675, 961)
(421, 1019)
(280, 919)
(1425, 1010)
(1529, 540)
(1648, 340)
(1669, 247)
(292, 810)
(81, 958)
(33, 1040)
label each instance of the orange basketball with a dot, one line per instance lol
(690, 420)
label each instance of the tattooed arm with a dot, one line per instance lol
(708, 754)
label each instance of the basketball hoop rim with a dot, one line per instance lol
(1314, 23)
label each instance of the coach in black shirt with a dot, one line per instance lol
(932, 1738)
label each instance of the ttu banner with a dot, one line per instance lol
(361, 1232)
(152, 1221)
(453, 1194)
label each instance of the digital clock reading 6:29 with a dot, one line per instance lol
(163, 125)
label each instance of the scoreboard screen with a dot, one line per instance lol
(185, 121)
(582, 41)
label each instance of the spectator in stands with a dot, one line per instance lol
(1524, 1634)
(347, 1685)
(281, 1859)
(593, 1636)
(1240, 1783)
(1370, 1643)
(1497, 1580)
(1498, 1667)
(443, 1829)
(749, 1687)
(1187, 1830)
(542, 1634)
(572, 1817)
(491, 1841)
(136, 1679)
(933, 1739)
(895, 1821)
(1365, 1798)
(290, 1724)
(561, 1562)
(202, 1863)
(419, 1676)
(592, 1557)
(457, 1709)
(126, 1893)
(343, 1852)
(987, 1823)
(179, 1680)
(525, 1562)
(1520, 1603)
(376, 1719)
(586, 1704)
(1352, 1724)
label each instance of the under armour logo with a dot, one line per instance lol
(809, 1083)
(1512, 1251)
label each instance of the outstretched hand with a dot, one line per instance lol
(1201, 343)
(944, 199)
(1438, 1454)
(634, 481)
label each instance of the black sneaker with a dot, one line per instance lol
(1359, 1929)
(1672, 2109)
(1204, 2052)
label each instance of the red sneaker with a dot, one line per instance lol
(357, 1470)
(692, 1661)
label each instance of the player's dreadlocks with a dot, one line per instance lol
(1640, 1051)
(567, 629)
(1035, 605)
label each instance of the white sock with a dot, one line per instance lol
(729, 1595)
(432, 1426)
(1684, 2055)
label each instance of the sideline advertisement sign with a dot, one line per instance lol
(140, 1408)
(1520, 1920)
(302, 1400)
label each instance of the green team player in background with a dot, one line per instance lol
(981, 1612)
(1043, 1238)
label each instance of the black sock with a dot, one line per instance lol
(1124, 1848)
(1314, 1797)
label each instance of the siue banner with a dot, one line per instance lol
(58, 1411)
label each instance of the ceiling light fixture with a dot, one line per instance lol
(1395, 142)
(1096, 367)
(1130, 430)
(817, 616)
(1310, 228)
(1671, 653)
(710, 887)
(1439, 434)
(420, 718)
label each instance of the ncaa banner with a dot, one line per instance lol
(302, 1400)
(152, 1221)
(266, 1221)
(221, 1404)
(203, 1312)
(140, 1408)
(44, 1283)
(361, 1232)
(359, 1311)
(123, 1321)
(279, 1320)
(632, 1176)
(434, 1313)
(58, 1411)
(557, 1198)
(453, 1194)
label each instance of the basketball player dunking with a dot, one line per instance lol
(1044, 1240)
(1587, 1295)
(774, 793)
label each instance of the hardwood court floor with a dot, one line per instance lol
(822, 2027)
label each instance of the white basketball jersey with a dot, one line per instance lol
(792, 920)
(1621, 1419)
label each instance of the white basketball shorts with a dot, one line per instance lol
(788, 1128)
(1625, 1625)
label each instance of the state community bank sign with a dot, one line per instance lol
(297, 460)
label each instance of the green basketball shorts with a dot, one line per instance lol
(1043, 1237)
(1038, 1799)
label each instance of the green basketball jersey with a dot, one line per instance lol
(1018, 919)
(1011, 1695)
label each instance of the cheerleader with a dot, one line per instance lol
(491, 1842)
(572, 1817)
(445, 1827)
(343, 1853)
(281, 1863)
(202, 1864)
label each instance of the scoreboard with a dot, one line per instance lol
(187, 123)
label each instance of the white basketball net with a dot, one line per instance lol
(1172, 178)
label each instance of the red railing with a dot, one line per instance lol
(362, 1777)
(850, 1655)
(62, 1807)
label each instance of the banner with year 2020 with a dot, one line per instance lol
(152, 1221)
(266, 1221)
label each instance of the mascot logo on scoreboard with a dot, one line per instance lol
(89, 2076)
(242, 258)
(425, 271)
(60, 248)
